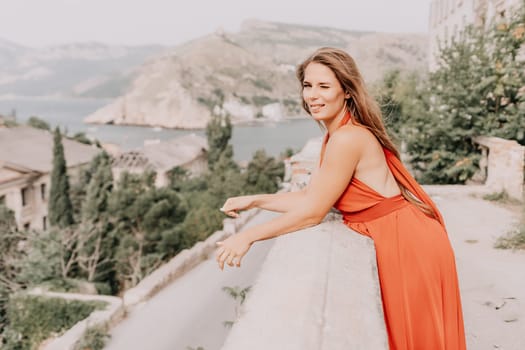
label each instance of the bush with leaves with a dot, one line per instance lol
(94, 338)
(263, 175)
(33, 319)
(478, 89)
(145, 222)
(38, 123)
(10, 240)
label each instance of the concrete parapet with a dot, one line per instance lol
(318, 289)
(502, 165)
(113, 312)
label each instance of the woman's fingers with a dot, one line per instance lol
(223, 255)
(229, 260)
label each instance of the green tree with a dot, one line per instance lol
(38, 123)
(79, 187)
(97, 241)
(60, 208)
(10, 239)
(263, 175)
(477, 90)
(82, 138)
(218, 133)
(145, 220)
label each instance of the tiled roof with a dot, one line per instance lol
(164, 155)
(33, 149)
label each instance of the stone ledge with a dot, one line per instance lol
(317, 289)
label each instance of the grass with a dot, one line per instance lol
(501, 197)
(516, 238)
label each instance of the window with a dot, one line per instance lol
(25, 196)
(27, 226)
(44, 223)
(2, 200)
(43, 191)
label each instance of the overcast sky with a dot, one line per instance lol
(169, 22)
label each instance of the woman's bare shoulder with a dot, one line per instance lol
(356, 134)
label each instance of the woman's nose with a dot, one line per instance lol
(311, 94)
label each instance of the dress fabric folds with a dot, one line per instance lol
(416, 264)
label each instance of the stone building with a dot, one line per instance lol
(189, 152)
(26, 161)
(449, 17)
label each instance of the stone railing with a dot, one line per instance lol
(318, 289)
(502, 165)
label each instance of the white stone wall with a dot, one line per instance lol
(327, 295)
(505, 165)
(35, 210)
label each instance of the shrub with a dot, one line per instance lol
(32, 319)
(94, 338)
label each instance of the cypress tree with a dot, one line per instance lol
(218, 133)
(60, 208)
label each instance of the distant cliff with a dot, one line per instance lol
(251, 74)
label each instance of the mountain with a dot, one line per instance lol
(73, 70)
(249, 74)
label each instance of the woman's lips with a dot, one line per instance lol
(316, 108)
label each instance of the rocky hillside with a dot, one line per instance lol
(249, 74)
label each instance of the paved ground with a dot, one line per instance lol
(492, 285)
(492, 281)
(190, 312)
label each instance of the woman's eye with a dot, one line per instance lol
(324, 87)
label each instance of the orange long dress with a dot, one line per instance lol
(416, 265)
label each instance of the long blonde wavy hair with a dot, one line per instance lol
(363, 108)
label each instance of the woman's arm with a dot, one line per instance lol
(278, 202)
(342, 154)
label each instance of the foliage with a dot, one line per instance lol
(32, 319)
(263, 174)
(145, 220)
(82, 138)
(477, 90)
(60, 208)
(49, 255)
(79, 187)
(10, 239)
(261, 100)
(38, 123)
(218, 133)
(239, 295)
(514, 239)
(98, 242)
(94, 338)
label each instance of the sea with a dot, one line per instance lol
(68, 114)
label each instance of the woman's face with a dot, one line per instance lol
(322, 92)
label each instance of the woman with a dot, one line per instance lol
(361, 175)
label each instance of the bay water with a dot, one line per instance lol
(68, 114)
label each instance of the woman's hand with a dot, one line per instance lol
(235, 204)
(232, 249)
